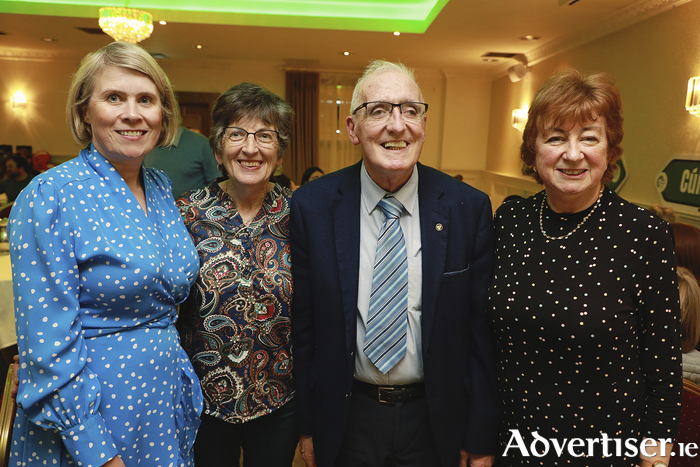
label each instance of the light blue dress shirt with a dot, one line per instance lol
(410, 368)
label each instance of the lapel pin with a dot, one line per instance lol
(438, 227)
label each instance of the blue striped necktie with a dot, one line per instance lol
(385, 339)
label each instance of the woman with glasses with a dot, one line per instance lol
(235, 326)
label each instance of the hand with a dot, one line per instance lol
(655, 451)
(115, 462)
(474, 460)
(306, 447)
(15, 379)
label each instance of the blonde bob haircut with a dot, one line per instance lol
(690, 309)
(380, 66)
(569, 98)
(125, 55)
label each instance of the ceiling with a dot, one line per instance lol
(460, 35)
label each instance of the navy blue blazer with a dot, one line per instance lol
(458, 349)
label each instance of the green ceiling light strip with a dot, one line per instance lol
(413, 16)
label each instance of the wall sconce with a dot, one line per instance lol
(692, 98)
(520, 119)
(18, 100)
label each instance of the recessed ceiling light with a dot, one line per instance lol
(163, 22)
(199, 46)
(529, 38)
(48, 39)
(347, 54)
(397, 33)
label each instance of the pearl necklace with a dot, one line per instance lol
(544, 199)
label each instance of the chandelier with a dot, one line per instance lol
(126, 24)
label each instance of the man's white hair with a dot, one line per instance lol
(380, 66)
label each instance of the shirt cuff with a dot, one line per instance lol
(89, 444)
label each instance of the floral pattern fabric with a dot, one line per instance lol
(235, 325)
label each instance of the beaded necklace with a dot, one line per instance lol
(544, 199)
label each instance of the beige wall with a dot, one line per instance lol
(42, 123)
(652, 61)
(466, 122)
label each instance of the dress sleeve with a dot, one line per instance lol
(660, 345)
(57, 390)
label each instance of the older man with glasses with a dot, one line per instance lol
(393, 357)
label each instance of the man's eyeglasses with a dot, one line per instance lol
(265, 138)
(381, 111)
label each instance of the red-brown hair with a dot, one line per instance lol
(570, 98)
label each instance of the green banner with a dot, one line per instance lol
(680, 182)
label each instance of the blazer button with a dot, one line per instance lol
(438, 227)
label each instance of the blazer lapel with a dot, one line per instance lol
(434, 227)
(346, 221)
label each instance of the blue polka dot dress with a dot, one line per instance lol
(587, 331)
(96, 284)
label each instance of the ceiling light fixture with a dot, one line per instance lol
(518, 71)
(126, 24)
(397, 33)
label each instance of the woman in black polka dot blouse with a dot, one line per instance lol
(584, 301)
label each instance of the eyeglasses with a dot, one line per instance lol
(381, 111)
(265, 138)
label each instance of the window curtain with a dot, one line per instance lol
(302, 91)
(336, 151)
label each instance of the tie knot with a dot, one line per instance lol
(391, 206)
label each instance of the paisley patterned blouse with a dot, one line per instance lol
(235, 325)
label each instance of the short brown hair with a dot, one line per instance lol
(125, 55)
(248, 100)
(690, 309)
(569, 97)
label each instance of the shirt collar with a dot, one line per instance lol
(372, 193)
